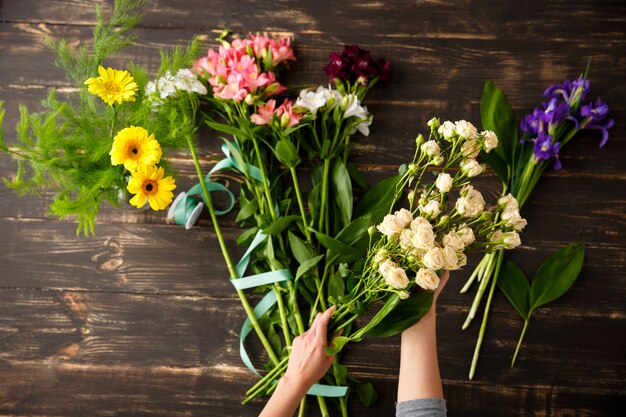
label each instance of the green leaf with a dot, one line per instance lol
(299, 248)
(248, 210)
(497, 164)
(407, 313)
(221, 127)
(497, 114)
(337, 344)
(341, 373)
(287, 153)
(379, 197)
(280, 224)
(343, 191)
(308, 264)
(334, 244)
(556, 274)
(246, 237)
(367, 394)
(387, 308)
(336, 286)
(514, 284)
(357, 176)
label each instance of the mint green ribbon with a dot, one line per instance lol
(264, 306)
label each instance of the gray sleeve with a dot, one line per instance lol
(422, 407)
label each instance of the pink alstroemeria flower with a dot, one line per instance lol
(288, 118)
(233, 90)
(272, 86)
(281, 51)
(264, 114)
(260, 45)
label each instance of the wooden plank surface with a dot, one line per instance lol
(140, 319)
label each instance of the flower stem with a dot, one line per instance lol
(323, 407)
(324, 195)
(484, 280)
(483, 326)
(229, 263)
(519, 343)
(479, 269)
(296, 187)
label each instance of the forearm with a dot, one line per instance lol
(419, 366)
(285, 399)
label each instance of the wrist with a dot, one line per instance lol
(294, 385)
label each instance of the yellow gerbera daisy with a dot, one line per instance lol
(113, 85)
(149, 183)
(134, 148)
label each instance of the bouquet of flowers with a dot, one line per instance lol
(519, 164)
(108, 141)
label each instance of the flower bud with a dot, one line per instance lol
(419, 140)
(437, 160)
(434, 123)
(371, 230)
(249, 100)
(443, 220)
(485, 216)
(403, 295)
(411, 196)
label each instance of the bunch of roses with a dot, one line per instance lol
(564, 104)
(355, 65)
(133, 146)
(245, 69)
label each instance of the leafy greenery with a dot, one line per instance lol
(64, 148)
(554, 277)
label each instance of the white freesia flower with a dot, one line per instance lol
(417, 222)
(427, 279)
(471, 167)
(450, 259)
(353, 107)
(431, 148)
(511, 240)
(471, 202)
(466, 234)
(430, 209)
(508, 203)
(424, 237)
(447, 130)
(515, 220)
(444, 182)
(404, 216)
(454, 241)
(364, 125)
(491, 140)
(466, 129)
(314, 100)
(470, 148)
(394, 275)
(391, 225)
(433, 259)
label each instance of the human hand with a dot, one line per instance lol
(442, 283)
(308, 361)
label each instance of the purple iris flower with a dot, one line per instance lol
(572, 92)
(596, 117)
(545, 148)
(544, 119)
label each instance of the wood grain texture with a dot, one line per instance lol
(140, 320)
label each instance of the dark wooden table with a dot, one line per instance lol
(140, 320)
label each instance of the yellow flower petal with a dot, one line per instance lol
(149, 183)
(113, 86)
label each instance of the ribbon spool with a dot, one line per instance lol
(186, 210)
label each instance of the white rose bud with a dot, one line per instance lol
(471, 167)
(466, 129)
(418, 221)
(371, 230)
(466, 234)
(395, 276)
(431, 148)
(433, 259)
(385, 266)
(472, 203)
(380, 257)
(511, 240)
(431, 209)
(424, 237)
(495, 238)
(447, 130)
(453, 240)
(419, 140)
(508, 203)
(403, 295)
(406, 239)
(462, 259)
(433, 123)
(391, 226)
(437, 160)
(427, 279)
(444, 182)
(491, 140)
(470, 149)
(515, 220)
(411, 196)
(404, 216)
(450, 260)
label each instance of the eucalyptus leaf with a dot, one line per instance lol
(496, 114)
(379, 197)
(342, 187)
(556, 274)
(404, 315)
(280, 224)
(514, 284)
(308, 264)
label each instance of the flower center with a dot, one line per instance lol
(112, 87)
(150, 187)
(134, 151)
